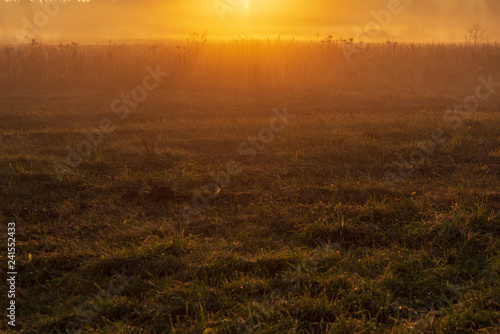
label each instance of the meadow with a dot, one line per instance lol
(336, 223)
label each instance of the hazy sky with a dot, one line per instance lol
(102, 20)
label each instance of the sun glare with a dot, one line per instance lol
(246, 6)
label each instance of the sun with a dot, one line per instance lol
(246, 6)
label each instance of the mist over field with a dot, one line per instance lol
(103, 20)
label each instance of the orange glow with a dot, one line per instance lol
(248, 17)
(122, 20)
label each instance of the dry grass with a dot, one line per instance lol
(248, 65)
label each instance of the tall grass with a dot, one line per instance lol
(247, 65)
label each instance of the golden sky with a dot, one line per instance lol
(97, 20)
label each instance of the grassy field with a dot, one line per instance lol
(332, 225)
